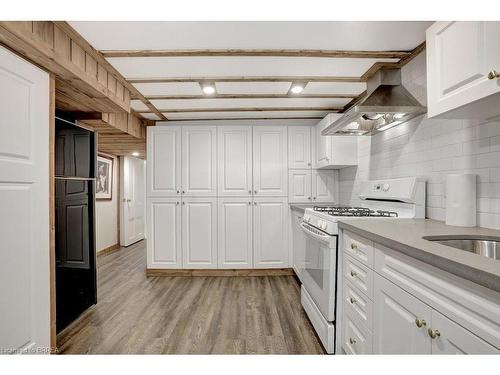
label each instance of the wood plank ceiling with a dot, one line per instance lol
(251, 65)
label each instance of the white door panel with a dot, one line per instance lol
(235, 233)
(164, 156)
(132, 198)
(234, 160)
(270, 217)
(24, 207)
(299, 147)
(199, 156)
(164, 233)
(270, 170)
(199, 232)
(299, 186)
(323, 186)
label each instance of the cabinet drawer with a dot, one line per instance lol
(356, 338)
(360, 276)
(357, 304)
(359, 248)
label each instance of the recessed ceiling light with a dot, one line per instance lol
(297, 87)
(208, 88)
(135, 153)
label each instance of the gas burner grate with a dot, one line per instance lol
(354, 211)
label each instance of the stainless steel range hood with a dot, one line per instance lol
(386, 104)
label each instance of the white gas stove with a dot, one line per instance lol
(386, 199)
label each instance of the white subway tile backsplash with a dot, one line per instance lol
(431, 149)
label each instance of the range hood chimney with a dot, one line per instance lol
(386, 104)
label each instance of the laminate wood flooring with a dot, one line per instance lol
(136, 314)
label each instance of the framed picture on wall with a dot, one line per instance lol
(104, 179)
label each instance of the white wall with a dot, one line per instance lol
(106, 214)
(431, 149)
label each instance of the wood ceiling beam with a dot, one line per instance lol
(246, 79)
(257, 53)
(247, 109)
(248, 118)
(63, 25)
(251, 96)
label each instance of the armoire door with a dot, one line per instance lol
(235, 249)
(164, 161)
(24, 206)
(270, 166)
(270, 232)
(299, 186)
(199, 161)
(199, 232)
(323, 186)
(234, 144)
(164, 233)
(299, 147)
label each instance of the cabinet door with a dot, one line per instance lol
(234, 144)
(164, 233)
(235, 233)
(395, 313)
(270, 170)
(323, 185)
(454, 339)
(298, 243)
(299, 147)
(164, 161)
(321, 145)
(459, 57)
(270, 218)
(199, 155)
(199, 232)
(299, 185)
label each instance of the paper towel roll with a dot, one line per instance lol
(461, 200)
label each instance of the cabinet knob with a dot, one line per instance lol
(314, 198)
(433, 333)
(183, 192)
(255, 203)
(177, 203)
(354, 274)
(352, 341)
(493, 74)
(309, 198)
(183, 203)
(354, 246)
(255, 191)
(420, 322)
(178, 191)
(249, 203)
(249, 191)
(308, 164)
(353, 300)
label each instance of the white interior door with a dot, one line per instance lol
(132, 198)
(24, 205)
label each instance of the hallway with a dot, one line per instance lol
(136, 314)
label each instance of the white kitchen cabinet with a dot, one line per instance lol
(299, 186)
(299, 147)
(333, 152)
(270, 238)
(270, 167)
(234, 171)
(199, 161)
(323, 186)
(298, 243)
(164, 161)
(164, 233)
(235, 228)
(460, 57)
(396, 312)
(199, 232)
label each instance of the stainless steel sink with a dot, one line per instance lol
(486, 247)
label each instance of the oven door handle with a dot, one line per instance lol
(321, 237)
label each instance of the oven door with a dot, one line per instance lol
(319, 269)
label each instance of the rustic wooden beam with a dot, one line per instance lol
(246, 109)
(251, 96)
(248, 118)
(246, 79)
(258, 53)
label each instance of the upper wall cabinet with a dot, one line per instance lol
(270, 161)
(333, 152)
(164, 161)
(234, 160)
(199, 156)
(463, 69)
(299, 147)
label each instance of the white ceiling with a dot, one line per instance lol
(346, 36)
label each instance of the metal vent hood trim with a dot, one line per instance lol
(385, 95)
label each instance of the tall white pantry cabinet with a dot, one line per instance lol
(217, 197)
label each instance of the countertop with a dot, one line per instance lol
(302, 206)
(405, 235)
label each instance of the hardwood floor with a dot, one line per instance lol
(179, 315)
